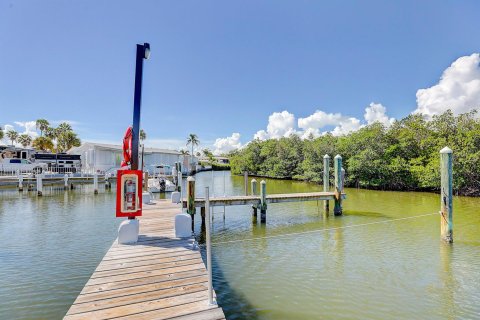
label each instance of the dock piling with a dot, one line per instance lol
(211, 301)
(20, 182)
(65, 180)
(326, 181)
(254, 207)
(191, 198)
(95, 183)
(446, 219)
(39, 185)
(263, 201)
(337, 210)
(245, 182)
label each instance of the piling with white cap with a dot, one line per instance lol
(326, 181)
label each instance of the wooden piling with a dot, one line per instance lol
(20, 182)
(39, 184)
(446, 222)
(263, 201)
(191, 198)
(145, 181)
(326, 181)
(337, 210)
(95, 183)
(254, 187)
(254, 206)
(245, 182)
(65, 180)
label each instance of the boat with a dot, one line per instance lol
(159, 182)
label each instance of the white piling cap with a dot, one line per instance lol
(190, 178)
(446, 150)
(263, 182)
(326, 156)
(338, 156)
(254, 180)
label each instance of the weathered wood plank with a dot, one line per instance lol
(272, 198)
(160, 277)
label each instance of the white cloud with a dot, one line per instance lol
(280, 124)
(376, 112)
(8, 127)
(30, 128)
(319, 119)
(347, 125)
(458, 89)
(224, 145)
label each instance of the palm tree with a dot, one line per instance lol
(143, 135)
(63, 128)
(24, 140)
(193, 141)
(43, 143)
(12, 136)
(184, 152)
(67, 140)
(42, 125)
(2, 134)
(50, 133)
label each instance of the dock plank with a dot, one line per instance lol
(160, 277)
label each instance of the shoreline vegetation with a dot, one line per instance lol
(402, 157)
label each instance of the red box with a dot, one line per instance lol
(129, 193)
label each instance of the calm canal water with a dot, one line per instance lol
(363, 265)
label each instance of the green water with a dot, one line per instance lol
(363, 265)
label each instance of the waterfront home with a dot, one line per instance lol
(107, 157)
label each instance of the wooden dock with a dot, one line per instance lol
(160, 277)
(272, 198)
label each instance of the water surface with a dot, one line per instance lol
(370, 263)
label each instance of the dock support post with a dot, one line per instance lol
(446, 195)
(65, 180)
(245, 182)
(326, 181)
(20, 182)
(191, 198)
(254, 206)
(337, 210)
(145, 181)
(39, 185)
(211, 301)
(95, 183)
(263, 201)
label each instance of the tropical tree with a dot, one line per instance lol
(2, 134)
(12, 136)
(184, 152)
(43, 143)
(42, 125)
(50, 133)
(193, 141)
(63, 128)
(67, 140)
(25, 140)
(143, 135)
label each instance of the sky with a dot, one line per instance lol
(232, 71)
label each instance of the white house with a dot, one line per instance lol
(107, 157)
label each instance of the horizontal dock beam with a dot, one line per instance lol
(273, 198)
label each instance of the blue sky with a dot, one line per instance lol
(224, 67)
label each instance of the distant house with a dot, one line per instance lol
(106, 157)
(221, 160)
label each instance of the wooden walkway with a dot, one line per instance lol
(272, 198)
(160, 277)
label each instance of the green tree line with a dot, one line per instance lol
(404, 156)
